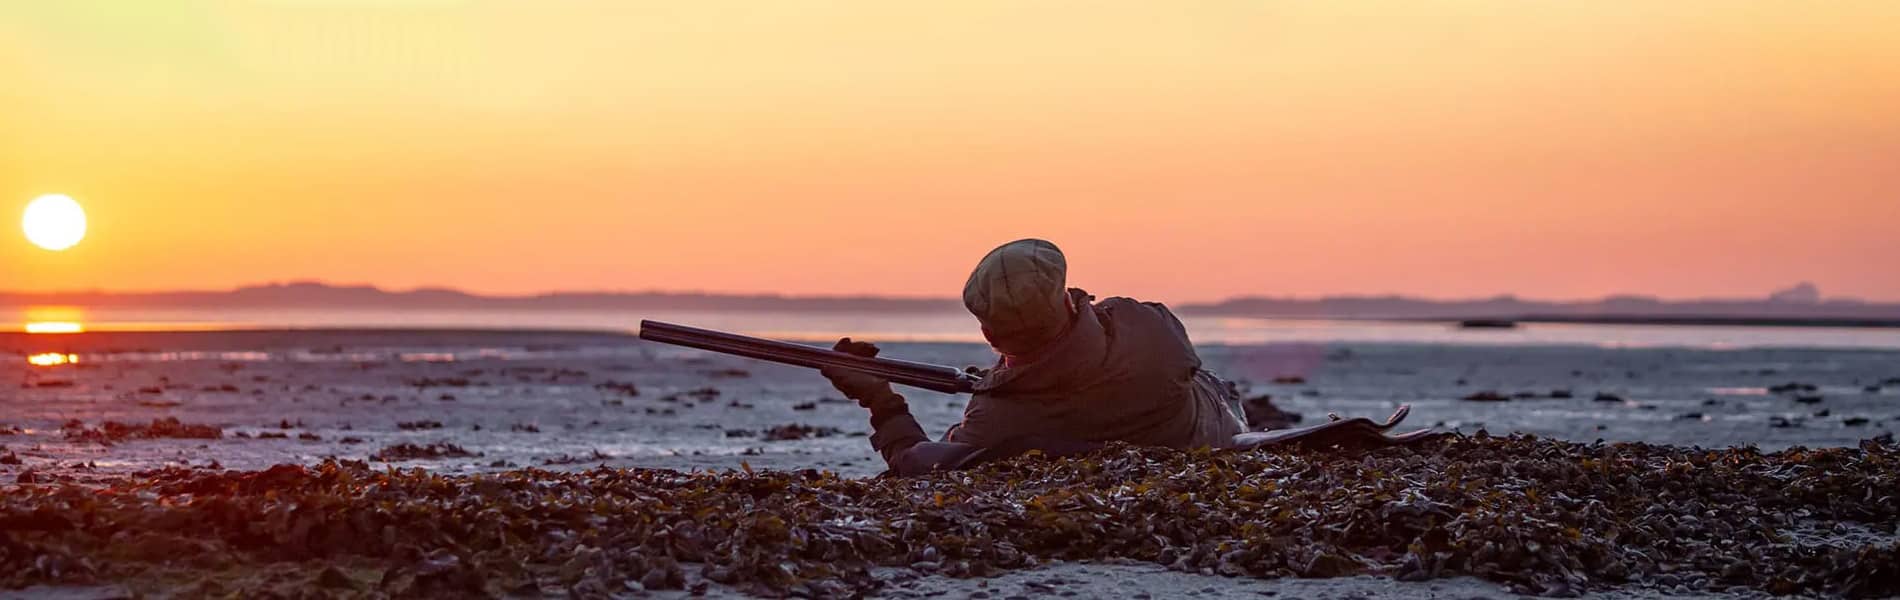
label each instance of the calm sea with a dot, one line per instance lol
(955, 327)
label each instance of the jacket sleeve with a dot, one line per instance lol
(895, 432)
(907, 450)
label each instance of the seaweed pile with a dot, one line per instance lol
(112, 432)
(1540, 516)
(798, 431)
(1262, 415)
(408, 451)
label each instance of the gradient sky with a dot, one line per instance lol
(1177, 150)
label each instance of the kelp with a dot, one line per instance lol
(1536, 515)
(111, 432)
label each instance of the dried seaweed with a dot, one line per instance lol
(111, 432)
(405, 451)
(1793, 387)
(798, 431)
(432, 382)
(1262, 415)
(1539, 516)
(616, 387)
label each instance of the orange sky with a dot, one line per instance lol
(1177, 151)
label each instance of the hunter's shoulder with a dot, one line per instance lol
(1123, 304)
(1130, 317)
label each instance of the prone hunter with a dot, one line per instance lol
(1073, 372)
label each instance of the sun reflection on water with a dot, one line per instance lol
(52, 359)
(54, 327)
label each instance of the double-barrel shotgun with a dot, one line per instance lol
(938, 378)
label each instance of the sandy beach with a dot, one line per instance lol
(500, 404)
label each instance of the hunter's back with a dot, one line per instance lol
(1125, 371)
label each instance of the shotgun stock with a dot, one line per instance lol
(938, 378)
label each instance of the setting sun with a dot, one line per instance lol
(54, 222)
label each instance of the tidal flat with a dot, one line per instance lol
(366, 463)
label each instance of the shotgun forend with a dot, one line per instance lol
(939, 378)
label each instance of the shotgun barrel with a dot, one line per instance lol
(939, 378)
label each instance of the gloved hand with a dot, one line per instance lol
(870, 391)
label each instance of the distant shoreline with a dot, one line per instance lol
(1716, 321)
(189, 329)
(1804, 310)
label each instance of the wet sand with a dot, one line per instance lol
(574, 401)
(528, 399)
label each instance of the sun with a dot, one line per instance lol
(54, 222)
